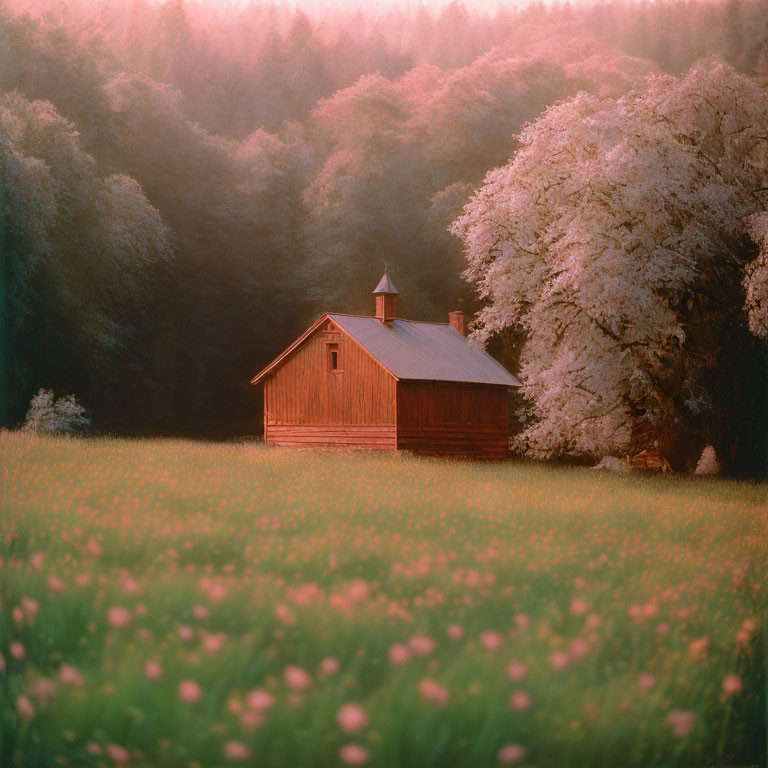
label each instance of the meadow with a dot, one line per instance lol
(168, 603)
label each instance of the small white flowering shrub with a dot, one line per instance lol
(47, 416)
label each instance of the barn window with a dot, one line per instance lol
(333, 358)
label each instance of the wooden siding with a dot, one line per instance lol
(453, 419)
(380, 438)
(307, 403)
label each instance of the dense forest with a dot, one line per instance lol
(186, 186)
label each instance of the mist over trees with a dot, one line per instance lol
(185, 186)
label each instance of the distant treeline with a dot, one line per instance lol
(186, 186)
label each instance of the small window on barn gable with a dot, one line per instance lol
(333, 357)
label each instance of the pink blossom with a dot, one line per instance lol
(17, 651)
(330, 666)
(251, 720)
(353, 754)
(421, 645)
(432, 691)
(511, 754)
(559, 660)
(522, 620)
(42, 689)
(399, 654)
(92, 748)
(119, 617)
(578, 648)
(455, 632)
(25, 708)
(30, 607)
(260, 700)
(200, 612)
(579, 606)
(491, 641)
(236, 750)
(593, 621)
(516, 670)
(70, 676)
(186, 633)
(351, 718)
(152, 670)
(190, 691)
(646, 681)
(698, 648)
(118, 754)
(663, 628)
(284, 614)
(297, 678)
(732, 685)
(214, 642)
(520, 700)
(682, 722)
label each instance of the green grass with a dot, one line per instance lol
(298, 557)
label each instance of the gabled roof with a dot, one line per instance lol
(385, 285)
(425, 351)
(412, 350)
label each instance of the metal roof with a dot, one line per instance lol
(425, 351)
(385, 285)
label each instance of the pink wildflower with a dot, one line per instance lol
(236, 750)
(25, 708)
(330, 666)
(516, 670)
(559, 660)
(351, 718)
(646, 681)
(421, 645)
(732, 685)
(119, 617)
(579, 606)
(455, 632)
(17, 651)
(190, 691)
(70, 676)
(682, 722)
(260, 700)
(118, 754)
(152, 670)
(520, 700)
(353, 754)
(491, 641)
(399, 654)
(433, 692)
(522, 620)
(511, 754)
(297, 678)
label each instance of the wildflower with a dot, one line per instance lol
(682, 722)
(200, 612)
(593, 621)
(522, 620)
(329, 666)
(491, 641)
(284, 614)
(520, 700)
(185, 633)
(578, 648)
(579, 606)
(251, 720)
(189, 691)
(432, 691)
(17, 651)
(353, 754)
(351, 718)
(152, 670)
(215, 642)
(559, 660)
(421, 645)
(70, 676)
(25, 708)
(297, 678)
(260, 700)
(732, 685)
(698, 648)
(30, 607)
(119, 617)
(646, 681)
(118, 754)
(516, 670)
(511, 754)
(399, 654)
(455, 632)
(42, 689)
(236, 750)
(92, 748)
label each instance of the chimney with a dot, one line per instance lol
(386, 300)
(458, 321)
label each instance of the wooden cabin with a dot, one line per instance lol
(353, 381)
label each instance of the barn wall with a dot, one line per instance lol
(306, 404)
(453, 419)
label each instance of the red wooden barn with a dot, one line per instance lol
(381, 382)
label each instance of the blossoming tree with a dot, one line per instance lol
(615, 243)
